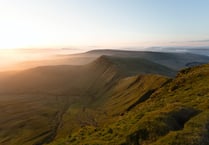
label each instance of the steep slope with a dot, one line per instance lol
(131, 91)
(134, 65)
(176, 113)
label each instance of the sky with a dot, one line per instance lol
(103, 23)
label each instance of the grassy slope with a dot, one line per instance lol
(54, 101)
(175, 114)
(26, 120)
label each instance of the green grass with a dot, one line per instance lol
(175, 114)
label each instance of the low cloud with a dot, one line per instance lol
(198, 41)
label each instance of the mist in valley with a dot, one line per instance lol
(19, 59)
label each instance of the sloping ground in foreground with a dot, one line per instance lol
(177, 113)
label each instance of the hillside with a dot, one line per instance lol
(74, 79)
(176, 113)
(112, 100)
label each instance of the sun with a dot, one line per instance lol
(11, 37)
(20, 34)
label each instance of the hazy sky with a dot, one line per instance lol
(66, 23)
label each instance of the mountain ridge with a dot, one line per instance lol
(112, 100)
(176, 113)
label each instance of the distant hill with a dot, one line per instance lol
(172, 60)
(175, 61)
